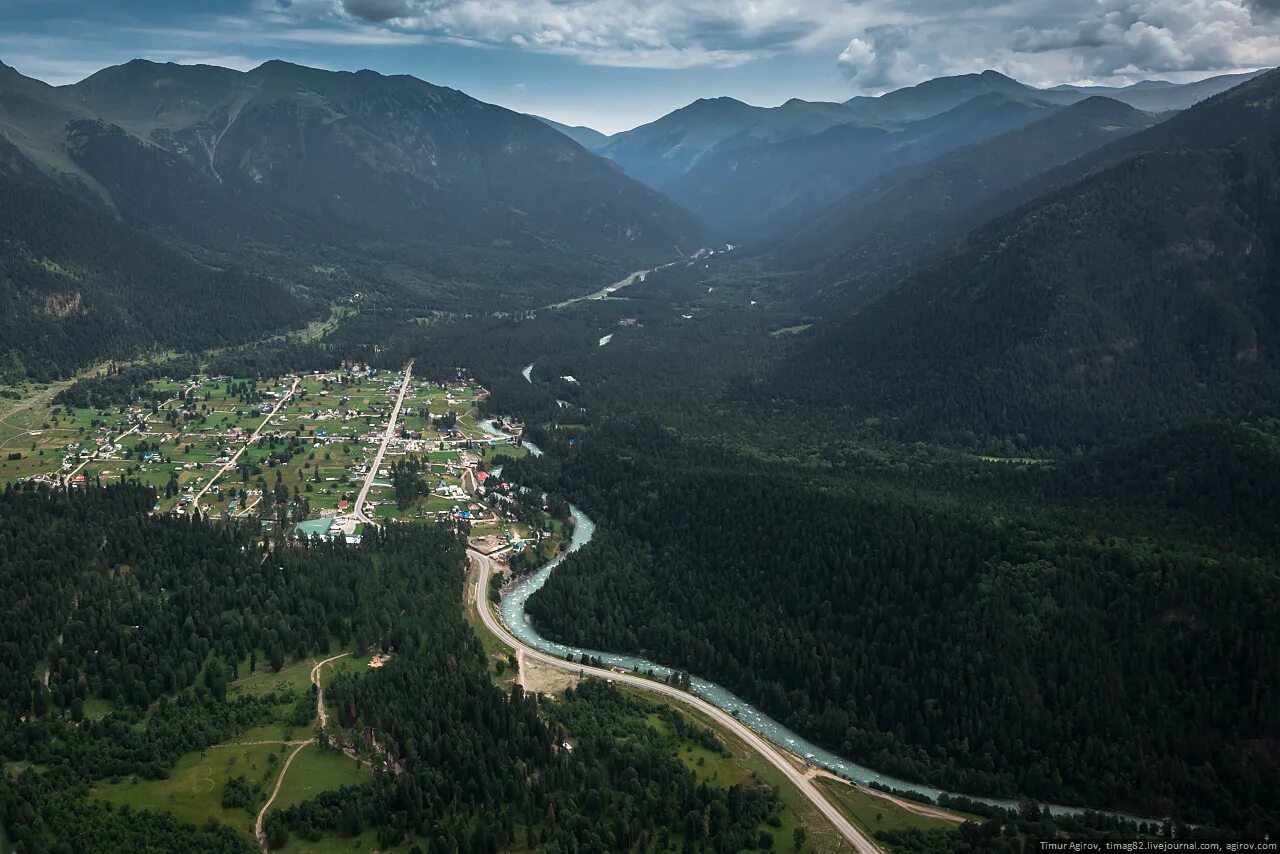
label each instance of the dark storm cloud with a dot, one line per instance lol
(376, 11)
(728, 34)
(1031, 40)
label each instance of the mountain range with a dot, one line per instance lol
(909, 214)
(307, 186)
(660, 151)
(753, 193)
(440, 191)
(761, 173)
(1137, 285)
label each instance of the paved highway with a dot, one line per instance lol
(359, 513)
(860, 842)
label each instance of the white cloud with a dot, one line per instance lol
(879, 60)
(879, 43)
(1105, 41)
(627, 33)
(875, 44)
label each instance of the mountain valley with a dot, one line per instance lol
(389, 470)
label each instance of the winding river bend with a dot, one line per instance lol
(512, 608)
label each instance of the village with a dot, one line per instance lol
(293, 453)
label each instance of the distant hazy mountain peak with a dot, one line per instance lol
(660, 152)
(589, 138)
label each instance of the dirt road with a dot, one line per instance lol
(860, 842)
(126, 434)
(322, 716)
(195, 504)
(258, 832)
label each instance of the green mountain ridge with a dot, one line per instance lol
(662, 150)
(751, 193)
(79, 285)
(909, 214)
(445, 194)
(589, 138)
(1145, 292)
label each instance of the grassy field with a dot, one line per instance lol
(96, 707)
(315, 771)
(28, 412)
(873, 813)
(354, 663)
(743, 767)
(271, 732)
(295, 675)
(194, 789)
(17, 766)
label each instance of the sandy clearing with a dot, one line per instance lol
(535, 676)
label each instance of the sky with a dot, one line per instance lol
(615, 64)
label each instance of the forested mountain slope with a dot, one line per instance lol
(763, 190)
(1157, 96)
(33, 116)
(371, 151)
(1146, 292)
(79, 285)
(1218, 481)
(398, 184)
(589, 138)
(662, 150)
(1242, 112)
(863, 241)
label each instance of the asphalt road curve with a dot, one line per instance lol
(861, 843)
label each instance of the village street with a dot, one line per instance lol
(229, 464)
(358, 511)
